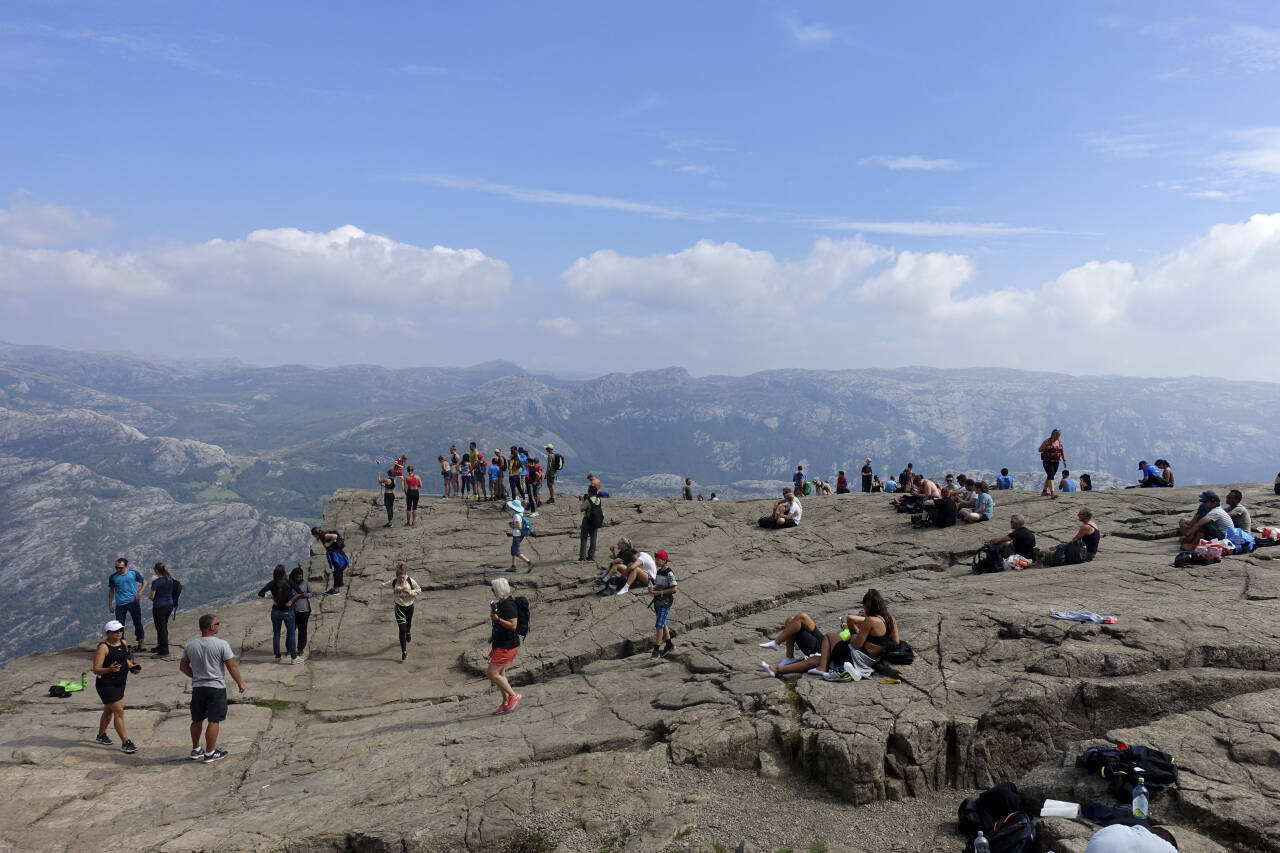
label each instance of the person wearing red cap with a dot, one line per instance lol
(662, 590)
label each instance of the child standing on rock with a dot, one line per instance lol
(662, 590)
(518, 531)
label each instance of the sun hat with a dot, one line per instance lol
(113, 625)
(515, 505)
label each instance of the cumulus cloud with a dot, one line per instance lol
(723, 275)
(29, 224)
(912, 163)
(562, 326)
(807, 34)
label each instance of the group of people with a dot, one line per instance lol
(850, 653)
(125, 587)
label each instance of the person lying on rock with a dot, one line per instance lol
(1210, 522)
(850, 654)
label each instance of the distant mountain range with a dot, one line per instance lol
(107, 454)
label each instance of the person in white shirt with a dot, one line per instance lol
(642, 569)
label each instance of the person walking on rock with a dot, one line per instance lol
(203, 661)
(112, 663)
(162, 605)
(1052, 454)
(592, 521)
(301, 608)
(405, 590)
(124, 592)
(662, 592)
(516, 530)
(283, 595)
(504, 642)
(412, 491)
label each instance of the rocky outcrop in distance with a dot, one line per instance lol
(612, 749)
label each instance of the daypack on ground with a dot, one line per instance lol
(1242, 539)
(1121, 765)
(522, 616)
(987, 560)
(995, 812)
(1068, 554)
(944, 512)
(899, 655)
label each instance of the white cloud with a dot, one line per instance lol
(913, 163)
(562, 326)
(683, 168)
(641, 106)
(133, 44)
(723, 275)
(554, 197)
(931, 229)
(1260, 154)
(1249, 46)
(30, 224)
(272, 265)
(1125, 145)
(807, 34)
(1218, 195)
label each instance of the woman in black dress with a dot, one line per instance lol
(112, 663)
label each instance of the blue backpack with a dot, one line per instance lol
(1242, 539)
(526, 527)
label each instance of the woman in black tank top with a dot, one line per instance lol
(112, 663)
(388, 495)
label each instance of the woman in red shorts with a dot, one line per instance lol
(504, 642)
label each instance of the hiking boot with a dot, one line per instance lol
(668, 647)
(216, 755)
(196, 754)
(103, 739)
(550, 500)
(128, 748)
(656, 651)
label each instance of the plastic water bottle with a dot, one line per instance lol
(1141, 800)
(980, 844)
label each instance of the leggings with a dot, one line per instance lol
(301, 619)
(389, 499)
(160, 618)
(411, 500)
(404, 622)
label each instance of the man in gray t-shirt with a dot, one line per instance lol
(203, 660)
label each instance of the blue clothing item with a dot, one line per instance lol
(134, 609)
(163, 588)
(660, 613)
(1069, 485)
(284, 617)
(125, 585)
(984, 505)
(890, 486)
(495, 472)
(1004, 481)
(1151, 476)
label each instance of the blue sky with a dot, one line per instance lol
(723, 186)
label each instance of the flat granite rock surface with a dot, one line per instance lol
(701, 750)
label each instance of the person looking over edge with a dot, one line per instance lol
(112, 664)
(124, 592)
(688, 488)
(1239, 514)
(162, 605)
(504, 642)
(907, 477)
(1149, 476)
(1068, 484)
(1004, 481)
(797, 480)
(1086, 483)
(866, 476)
(203, 660)
(1020, 540)
(1052, 454)
(335, 554)
(553, 459)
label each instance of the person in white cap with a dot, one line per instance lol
(112, 663)
(552, 471)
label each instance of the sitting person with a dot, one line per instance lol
(1149, 476)
(842, 484)
(1068, 483)
(1088, 532)
(1239, 515)
(1004, 481)
(969, 496)
(850, 654)
(876, 485)
(642, 569)
(621, 556)
(799, 630)
(983, 506)
(786, 512)
(1166, 473)
(1210, 522)
(1086, 483)
(1020, 541)
(891, 485)
(949, 484)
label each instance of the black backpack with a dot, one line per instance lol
(595, 515)
(339, 544)
(1121, 765)
(944, 512)
(1068, 554)
(995, 813)
(899, 655)
(987, 560)
(175, 591)
(522, 616)
(557, 463)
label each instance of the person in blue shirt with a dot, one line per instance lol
(890, 485)
(1068, 483)
(1151, 477)
(1004, 481)
(983, 505)
(124, 592)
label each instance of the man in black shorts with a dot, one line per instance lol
(203, 660)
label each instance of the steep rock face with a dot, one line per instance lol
(388, 755)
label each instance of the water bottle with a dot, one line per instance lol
(1141, 800)
(980, 844)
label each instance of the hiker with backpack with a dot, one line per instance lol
(519, 528)
(504, 642)
(592, 521)
(555, 463)
(112, 663)
(283, 595)
(405, 591)
(163, 602)
(335, 553)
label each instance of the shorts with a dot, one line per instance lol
(208, 704)
(515, 545)
(411, 500)
(982, 516)
(110, 689)
(549, 476)
(660, 615)
(810, 642)
(503, 657)
(1050, 466)
(841, 653)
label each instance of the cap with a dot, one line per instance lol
(550, 447)
(1209, 495)
(113, 625)
(661, 555)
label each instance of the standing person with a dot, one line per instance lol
(504, 642)
(1052, 454)
(866, 476)
(468, 483)
(162, 605)
(592, 519)
(554, 463)
(405, 591)
(455, 470)
(203, 660)
(412, 490)
(514, 478)
(906, 478)
(480, 476)
(534, 481)
(688, 488)
(301, 608)
(112, 664)
(797, 480)
(397, 467)
(283, 595)
(124, 592)
(336, 555)
(444, 474)
(496, 492)
(517, 530)
(662, 591)
(388, 484)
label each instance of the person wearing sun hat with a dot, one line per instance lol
(517, 534)
(662, 591)
(112, 663)
(551, 471)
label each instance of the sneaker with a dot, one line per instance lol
(403, 656)
(103, 739)
(502, 709)
(841, 675)
(296, 660)
(128, 748)
(550, 500)
(528, 568)
(512, 569)
(626, 588)
(772, 644)
(667, 647)
(216, 755)
(330, 591)
(513, 701)
(279, 660)
(196, 754)
(140, 647)
(656, 651)
(853, 674)
(533, 514)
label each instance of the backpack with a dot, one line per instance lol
(987, 560)
(807, 488)
(1242, 539)
(339, 544)
(175, 591)
(1122, 764)
(595, 514)
(944, 512)
(1068, 554)
(526, 526)
(557, 463)
(1013, 832)
(522, 616)
(900, 655)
